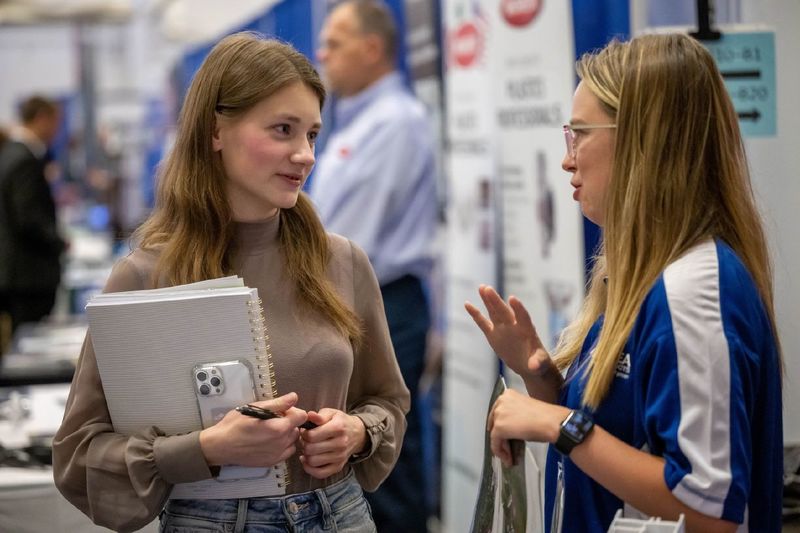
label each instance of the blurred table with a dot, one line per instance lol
(30, 416)
(30, 503)
(44, 352)
(29, 500)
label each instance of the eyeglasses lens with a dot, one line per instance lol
(569, 137)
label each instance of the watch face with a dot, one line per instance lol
(577, 424)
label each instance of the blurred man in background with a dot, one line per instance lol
(375, 184)
(30, 246)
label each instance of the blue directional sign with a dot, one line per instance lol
(747, 63)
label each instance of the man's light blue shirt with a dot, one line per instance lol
(375, 182)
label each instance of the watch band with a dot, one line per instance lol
(574, 429)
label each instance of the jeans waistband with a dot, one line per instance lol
(294, 507)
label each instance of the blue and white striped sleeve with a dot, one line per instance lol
(695, 407)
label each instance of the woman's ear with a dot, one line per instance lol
(216, 139)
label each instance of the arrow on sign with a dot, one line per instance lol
(741, 74)
(753, 115)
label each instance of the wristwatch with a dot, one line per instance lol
(574, 429)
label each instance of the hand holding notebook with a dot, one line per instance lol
(245, 440)
(148, 345)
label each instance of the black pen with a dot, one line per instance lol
(266, 414)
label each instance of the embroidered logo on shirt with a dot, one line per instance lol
(624, 365)
(344, 152)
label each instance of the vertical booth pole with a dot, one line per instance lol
(705, 21)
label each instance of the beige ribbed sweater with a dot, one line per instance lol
(121, 482)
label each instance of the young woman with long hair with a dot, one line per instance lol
(230, 202)
(664, 395)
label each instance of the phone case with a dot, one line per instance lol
(221, 387)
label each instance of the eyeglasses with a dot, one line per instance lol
(569, 133)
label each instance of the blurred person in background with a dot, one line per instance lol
(375, 184)
(30, 246)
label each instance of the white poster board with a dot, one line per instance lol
(470, 367)
(532, 56)
(509, 85)
(533, 83)
(774, 164)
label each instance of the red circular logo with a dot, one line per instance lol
(466, 44)
(520, 12)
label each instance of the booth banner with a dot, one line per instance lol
(532, 56)
(511, 218)
(532, 59)
(470, 367)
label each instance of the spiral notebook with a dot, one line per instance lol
(147, 344)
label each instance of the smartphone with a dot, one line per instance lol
(221, 387)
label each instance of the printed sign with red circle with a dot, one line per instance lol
(520, 12)
(465, 44)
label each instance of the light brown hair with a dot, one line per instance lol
(679, 177)
(191, 225)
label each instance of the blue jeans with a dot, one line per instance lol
(339, 508)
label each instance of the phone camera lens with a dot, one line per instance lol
(215, 381)
(205, 389)
(202, 376)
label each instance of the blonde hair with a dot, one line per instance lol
(191, 225)
(679, 177)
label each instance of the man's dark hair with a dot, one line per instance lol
(35, 105)
(375, 17)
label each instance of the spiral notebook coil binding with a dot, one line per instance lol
(265, 368)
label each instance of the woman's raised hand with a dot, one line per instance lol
(511, 333)
(243, 440)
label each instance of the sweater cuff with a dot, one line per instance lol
(375, 426)
(180, 459)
